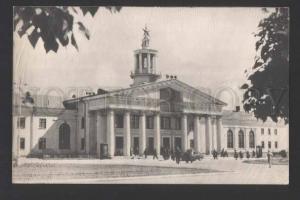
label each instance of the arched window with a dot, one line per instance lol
(64, 136)
(229, 139)
(251, 139)
(241, 139)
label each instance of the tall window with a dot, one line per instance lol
(21, 122)
(269, 145)
(177, 123)
(269, 131)
(165, 123)
(276, 145)
(64, 136)
(119, 121)
(42, 123)
(262, 144)
(42, 143)
(82, 122)
(149, 122)
(229, 139)
(22, 143)
(275, 131)
(251, 139)
(134, 121)
(82, 143)
(262, 131)
(241, 139)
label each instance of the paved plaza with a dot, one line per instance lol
(148, 171)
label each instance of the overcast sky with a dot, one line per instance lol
(204, 47)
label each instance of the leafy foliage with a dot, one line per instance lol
(52, 24)
(268, 93)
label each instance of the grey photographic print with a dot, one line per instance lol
(150, 95)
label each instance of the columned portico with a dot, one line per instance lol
(208, 134)
(142, 133)
(157, 133)
(202, 134)
(196, 133)
(184, 132)
(111, 132)
(99, 132)
(127, 144)
(87, 129)
(220, 144)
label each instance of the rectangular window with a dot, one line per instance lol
(134, 121)
(165, 123)
(262, 131)
(82, 122)
(178, 123)
(269, 145)
(42, 123)
(22, 143)
(275, 131)
(276, 145)
(82, 144)
(269, 131)
(119, 121)
(42, 143)
(21, 122)
(149, 122)
(262, 144)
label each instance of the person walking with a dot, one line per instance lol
(269, 158)
(177, 154)
(155, 154)
(146, 152)
(235, 154)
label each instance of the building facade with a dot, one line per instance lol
(153, 113)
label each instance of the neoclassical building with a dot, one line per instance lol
(152, 113)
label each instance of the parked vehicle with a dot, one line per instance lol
(189, 156)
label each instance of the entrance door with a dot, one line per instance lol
(166, 142)
(150, 145)
(119, 146)
(136, 145)
(177, 142)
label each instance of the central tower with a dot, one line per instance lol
(145, 62)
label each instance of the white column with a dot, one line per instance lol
(31, 132)
(136, 67)
(236, 138)
(208, 134)
(127, 134)
(246, 139)
(99, 131)
(154, 63)
(111, 133)
(140, 62)
(184, 132)
(213, 134)
(202, 134)
(220, 139)
(157, 133)
(196, 134)
(142, 133)
(148, 62)
(87, 129)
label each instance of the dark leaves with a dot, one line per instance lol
(84, 30)
(245, 86)
(73, 41)
(54, 24)
(34, 37)
(89, 9)
(265, 98)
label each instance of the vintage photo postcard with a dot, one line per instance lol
(150, 95)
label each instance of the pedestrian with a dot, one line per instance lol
(269, 158)
(235, 154)
(248, 154)
(241, 155)
(146, 152)
(177, 154)
(253, 154)
(155, 154)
